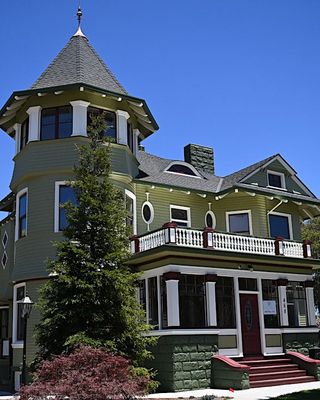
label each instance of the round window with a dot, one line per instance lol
(147, 212)
(210, 220)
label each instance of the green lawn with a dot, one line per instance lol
(305, 395)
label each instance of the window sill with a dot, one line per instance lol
(17, 345)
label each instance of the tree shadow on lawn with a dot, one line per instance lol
(305, 395)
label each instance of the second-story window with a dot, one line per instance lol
(24, 135)
(239, 222)
(22, 216)
(65, 194)
(110, 121)
(56, 123)
(130, 205)
(180, 215)
(280, 225)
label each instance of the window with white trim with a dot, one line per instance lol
(19, 292)
(63, 193)
(297, 304)
(21, 214)
(147, 212)
(130, 204)
(276, 180)
(210, 219)
(239, 222)
(4, 332)
(280, 225)
(180, 215)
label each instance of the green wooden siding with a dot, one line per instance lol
(261, 178)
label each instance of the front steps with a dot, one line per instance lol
(270, 371)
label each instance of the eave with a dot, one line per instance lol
(147, 123)
(6, 204)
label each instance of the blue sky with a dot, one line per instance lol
(241, 76)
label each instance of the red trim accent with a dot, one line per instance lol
(282, 282)
(309, 284)
(232, 363)
(174, 276)
(136, 241)
(205, 236)
(305, 245)
(170, 225)
(302, 357)
(211, 277)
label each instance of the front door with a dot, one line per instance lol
(250, 326)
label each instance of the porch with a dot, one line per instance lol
(171, 234)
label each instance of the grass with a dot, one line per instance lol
(305, 395)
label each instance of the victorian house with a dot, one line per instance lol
(225, 272)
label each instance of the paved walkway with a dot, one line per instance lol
(250, 394)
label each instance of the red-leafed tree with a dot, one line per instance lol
(87, 374)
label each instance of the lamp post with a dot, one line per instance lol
(26, 308)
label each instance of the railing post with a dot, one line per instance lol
(278, 246)
(170, 232)
(207, 235)
(307, 249)
(135, 244)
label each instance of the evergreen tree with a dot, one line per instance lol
(311, 231)
(91, 297)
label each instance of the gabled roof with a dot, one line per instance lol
(78, 62)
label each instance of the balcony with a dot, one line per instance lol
(171, 234)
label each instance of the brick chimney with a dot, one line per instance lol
(200, 157)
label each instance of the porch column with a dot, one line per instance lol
(79, 117)
(172, 287)
(34, 123)
(211, 280)
(309, 285)
(123, 117)
(283, 308)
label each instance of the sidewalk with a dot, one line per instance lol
(250, 394)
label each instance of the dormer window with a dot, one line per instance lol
(110, 120)
(276, 180)
(182, 169)
(24, 137)
(56, 123)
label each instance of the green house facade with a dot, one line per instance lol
(224, 269)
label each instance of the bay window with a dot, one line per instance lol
(109, 119)
(56, 123)
(226, 317)
(192, 301)
(63, 193)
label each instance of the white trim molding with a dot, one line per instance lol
(34, 123)
(134, 199)
(211, 303)
(214, 219)
(228, 213)
(310, 306)
(17, 137)
(173, 309)
(16, 343)
(20, 194)
(79, 117)
(122, 125)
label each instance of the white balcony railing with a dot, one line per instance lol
(171, 234)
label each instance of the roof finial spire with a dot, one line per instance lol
(79, 15)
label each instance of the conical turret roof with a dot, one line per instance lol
(78, 62)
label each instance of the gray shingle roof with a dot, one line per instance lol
(78, 62)
(152, 172)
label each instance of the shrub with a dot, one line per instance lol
(86, 374)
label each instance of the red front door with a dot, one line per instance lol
(250, 326)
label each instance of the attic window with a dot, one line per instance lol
(276, 180)
(182, 169)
